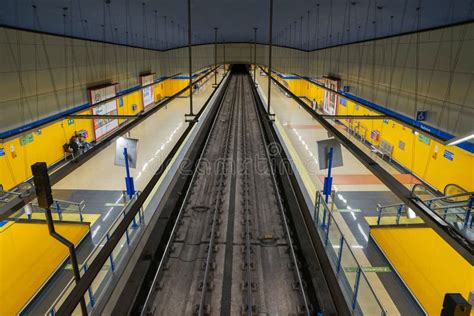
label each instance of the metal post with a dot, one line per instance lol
(327, 230)
(468, 211)
(270, 58)
(111, 258)
(58, 210)
(223, 48)
(45, 200)
(328, 179)
(379, 213)
(316, 207)
(339, 259)
(215, 56)
(399, 213)
(190, 61)
(128, 179)
(327, 183)
(356, 288)
(89, 290)
(255, 55)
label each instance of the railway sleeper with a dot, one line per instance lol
(209, 286)
(206, 309)
(245, 220)
(245, 285)
(216, 235)
(297, 286)
(245, 265)
(215, 248)
(212, 265)
(291, 265)
(244, 248)
(244, 310)
(244, 235)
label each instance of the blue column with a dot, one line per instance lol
(327, 184)
(128, 179)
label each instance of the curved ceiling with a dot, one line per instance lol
(162, 24)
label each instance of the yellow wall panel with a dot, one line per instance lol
(428, 265)
(424, 160)
(28, 258)
(47, 141)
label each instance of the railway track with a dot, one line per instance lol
(230, 251)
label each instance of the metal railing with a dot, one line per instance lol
(103, 279)
(62, 211)
(453, 209)
(351, 275)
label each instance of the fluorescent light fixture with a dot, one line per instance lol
(461, 139)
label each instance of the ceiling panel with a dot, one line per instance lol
(161, 24)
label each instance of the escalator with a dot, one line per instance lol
(454, 206)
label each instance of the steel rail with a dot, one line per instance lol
(216, 206)
(95, 267)
(145, 310)
(284, 219)
(249, 300)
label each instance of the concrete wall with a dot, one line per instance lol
(41, 75)
(384, 72)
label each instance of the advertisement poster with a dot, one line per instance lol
(104, 126)
(147, 92)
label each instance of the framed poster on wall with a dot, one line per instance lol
(330, 98)
(104, 126)
(147, 92)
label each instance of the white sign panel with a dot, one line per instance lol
(323, 153)
(330, 98)
(148, 92)
(104, 126)
(131, 145)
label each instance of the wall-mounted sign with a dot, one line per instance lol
(131, 145)
(147, 92)
(70, 121)
(448, 155)
(375, 135)
(425, 140)
(104, 126)
(331, 98)
(2, 152)
(323, 152)
(401, 145)
(385, 121)
(421, 115)
(343, 101)
(26, 139)
(120, 102)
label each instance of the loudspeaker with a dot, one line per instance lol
(42, 184)
(455, 305)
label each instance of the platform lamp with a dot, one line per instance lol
(45, 200)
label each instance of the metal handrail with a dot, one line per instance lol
(92, 253)
(359, 266)
(449, 197)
